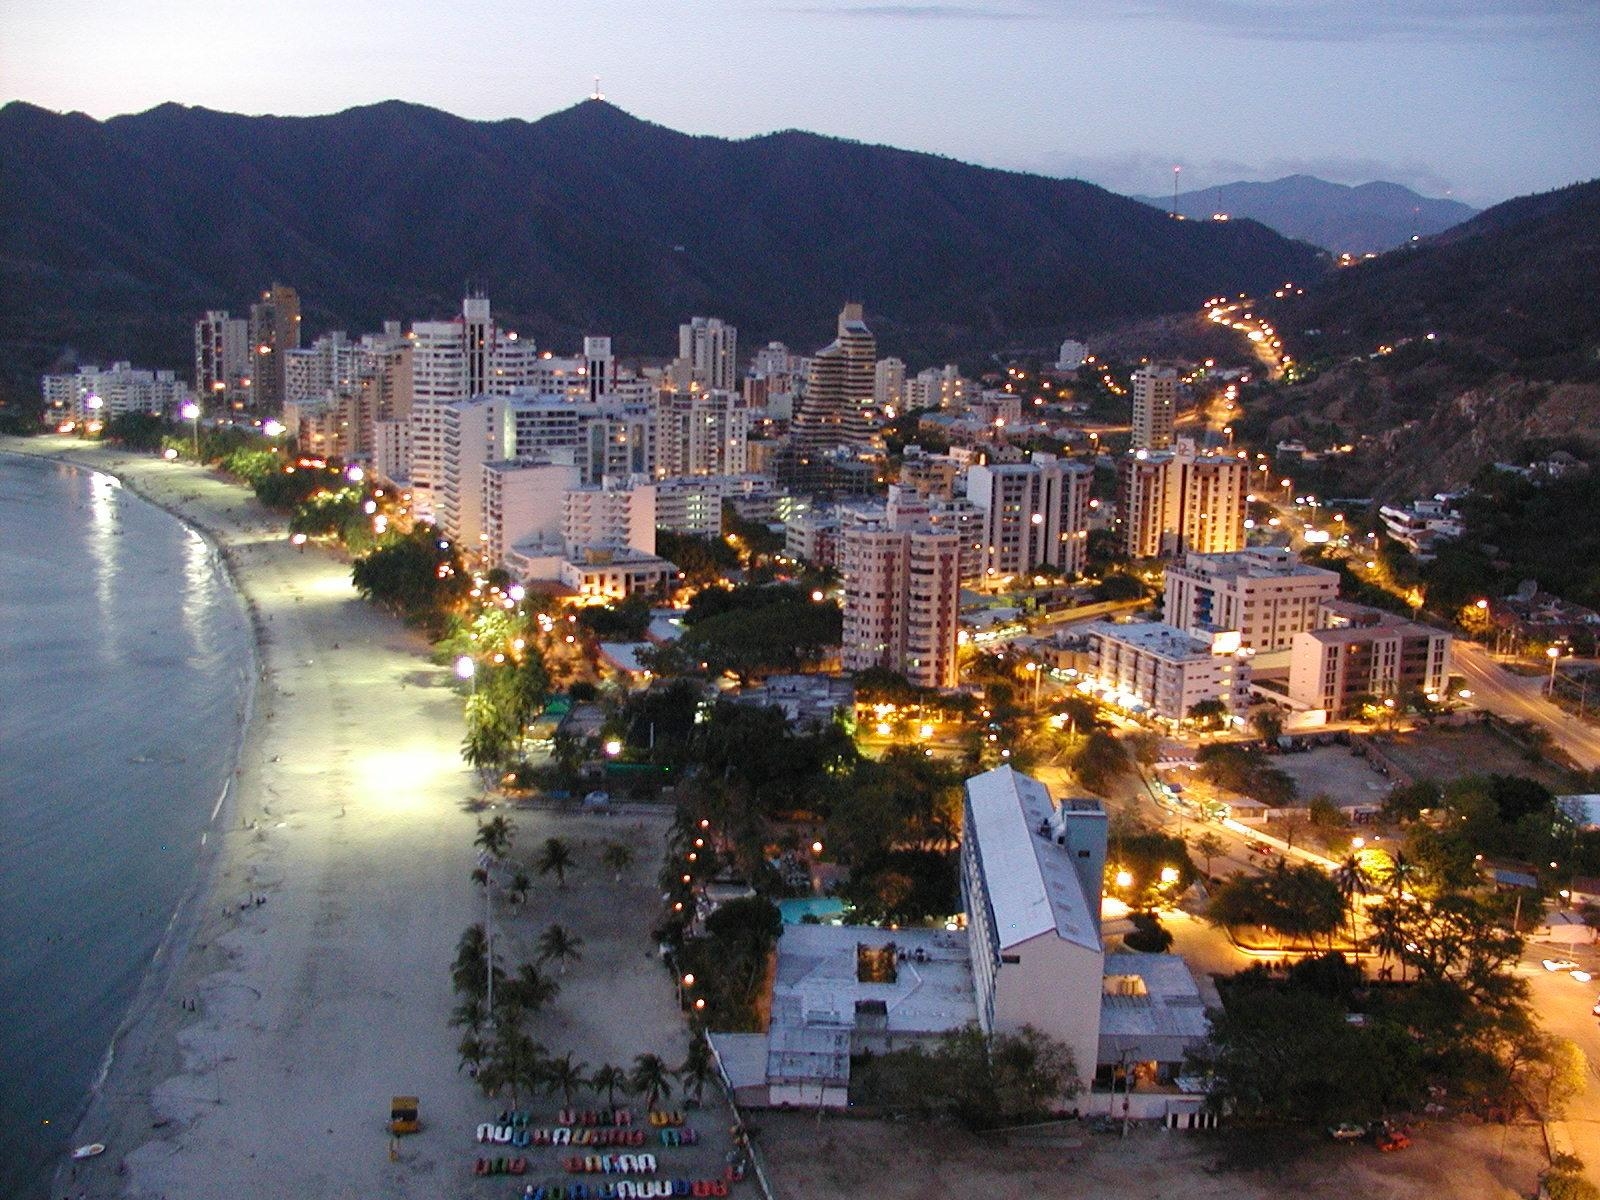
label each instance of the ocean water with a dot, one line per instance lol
(125, 674)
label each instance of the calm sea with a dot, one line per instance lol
(124, 674)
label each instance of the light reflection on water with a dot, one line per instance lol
(124, 664)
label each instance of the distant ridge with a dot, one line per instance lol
(1361, 219)
(118, 233)
(1519, 285)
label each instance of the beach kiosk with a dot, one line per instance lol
(403, 1115)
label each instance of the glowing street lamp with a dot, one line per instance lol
(191, 412)
(1555, 656)
(1124, 878)
(467, 669)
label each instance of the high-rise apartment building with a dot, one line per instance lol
(711, 348)
(222, 361)
(469, 439)
(599, 367)
(701, 432)
(1034, 513)
(274, 330)
(455, 360)
(837, 408)
(902, 592)
(1155, 405)
(1181, 501)
(889, 384)
(1266, 594)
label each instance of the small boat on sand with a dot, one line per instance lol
(89, 1151)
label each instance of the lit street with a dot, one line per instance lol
(1519, 698)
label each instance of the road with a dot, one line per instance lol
(1519, 698)
(1563, 1004)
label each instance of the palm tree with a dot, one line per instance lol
(467, 973)
(609, 1079)
(532, 989)
(472, 1051)
(1352, 880)
(1208, 845)
(651, 1079)
(559, 946)
(520, 883)
(469, 1015)
(1388, 933)
(562, 1075)
(618, 857)
(555, 857)
(494, 836)
(698, 1068)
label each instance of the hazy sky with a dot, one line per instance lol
(1484, 98)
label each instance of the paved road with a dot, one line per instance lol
(1563, 1004)
(1519, 698)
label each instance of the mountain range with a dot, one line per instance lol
(1364, 219)
(1511, 300)
(119, 233)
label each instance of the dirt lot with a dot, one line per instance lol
(899, 1161)
(1333, 771)
(1444, 753)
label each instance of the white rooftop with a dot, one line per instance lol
(1033, 886)
(1151, 637)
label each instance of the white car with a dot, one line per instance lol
(1560, 964)
(1582, 976)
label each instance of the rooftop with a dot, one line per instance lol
(1151, 1005)
(818, 991)
(1033, 886)
(1263, 562)
(1152, 637)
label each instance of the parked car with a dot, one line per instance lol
(1560, 964)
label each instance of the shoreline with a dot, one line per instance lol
(173, 1094)
(181, 930)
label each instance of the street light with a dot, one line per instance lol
(191, 412)
(467, 669)
(1555, 656)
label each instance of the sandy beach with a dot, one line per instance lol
(311, 983)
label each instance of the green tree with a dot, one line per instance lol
(494, 836)
(650, 1078)
(560, 946)
(617, 857)
(469, 971)
(1278, 1057)
(1208, 714)
(417, 575)
(1353, 881)
(698, 1068)
(555, 857)
(565, 1078)
(1149, 936)
(609, 1080)
(1209, 846)
(1099, 761)
(531, 991)
(1267, 721)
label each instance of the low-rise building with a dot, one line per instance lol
(1157, 669)
(1358, 653)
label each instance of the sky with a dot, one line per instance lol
(1478, 99)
